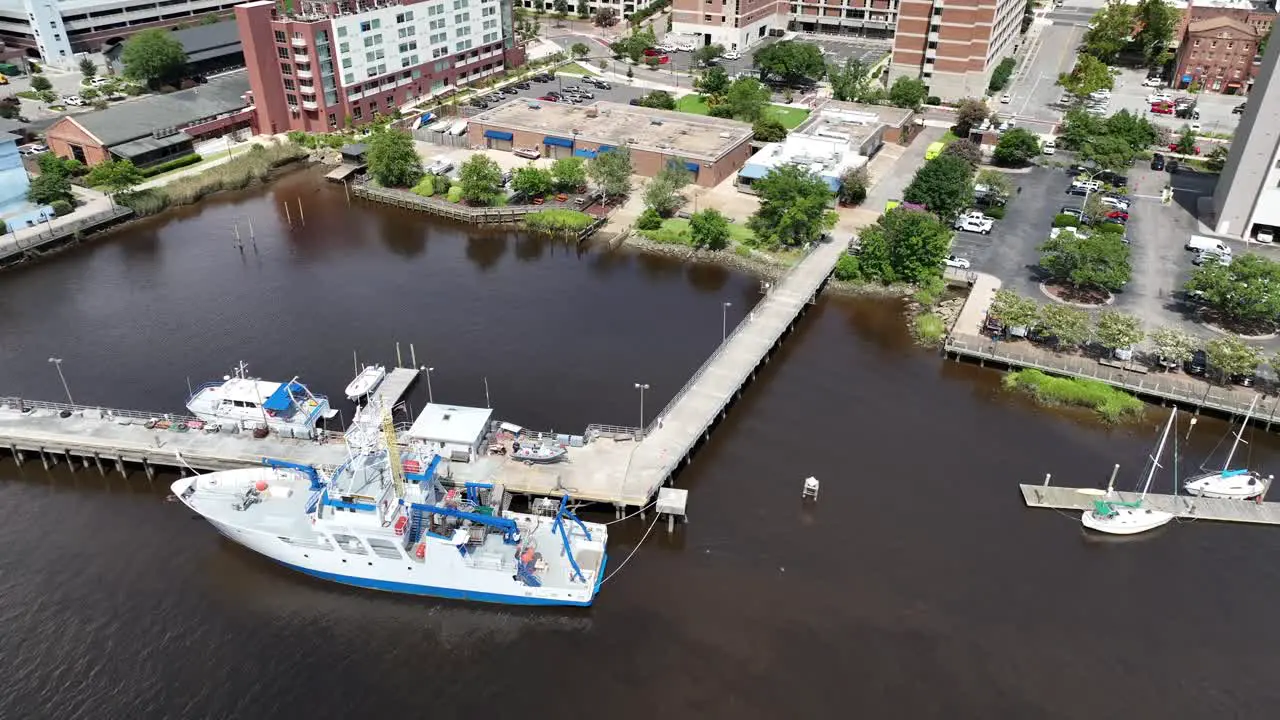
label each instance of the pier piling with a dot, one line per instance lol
(120, 466)
(97, 460)
(301, 218)
(71, 463)
(251, 238)
(150, 471)
(398, 361)
(287, 216)
(17, 454)
(413, 356)
(44, 459)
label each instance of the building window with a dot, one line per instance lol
(291, 99)
(286, 69)
(288, 83)
(280, 37)
(1195, 44)
(356, 112)
(706, 18)
(390, 102)
(404, 17)
(77, 152)
(462, 17)
(346, 63)
(344, 47)
(374, 55)
(283, 53)
(405, 32)
(342, 31)
(333, 120)
(348, 78)
(408, 47)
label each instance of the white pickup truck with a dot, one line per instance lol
(974, 221)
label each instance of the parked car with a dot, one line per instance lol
(1121, 215)
(1114, 202)
(1265, 236)
(1157, 98)
(1074, 212)
(1173, 147)
(1200, 243)
(523, 85)
(974, 222)
(1238, 110)
(1088, 185)
(1152, 82)
(550, 98)
(509, 91)
(1157, 161)
(731, 55)
(440, 167)
(1199, 363)
(582, 94)
(1049, 147)
(1162, 108)
(544, 77)
(73, 100)
(956, 262)
(603, 85)
(33, 149)
(1113, 178)
(1207, 257)
(99, 82)
(506, 178)
(529, 153)
(1244, 380)
(1006, 98)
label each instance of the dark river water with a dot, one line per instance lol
(917, 587)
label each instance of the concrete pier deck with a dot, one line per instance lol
(1182, 506)
(395, 385)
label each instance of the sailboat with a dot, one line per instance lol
(1230, 484)
(1130, 518)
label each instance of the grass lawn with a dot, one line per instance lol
(949, 137)
(789, 117)
(676, 231)
(572, 69)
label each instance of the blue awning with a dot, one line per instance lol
(753, 172)
(281, 400)
(498, 135)
(692, 167)
(606, 148)
(552, 140)
(583, 152)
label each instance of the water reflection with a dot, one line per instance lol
(484, 251)
(530, 247)
(707, 277)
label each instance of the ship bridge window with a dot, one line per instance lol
(350, 544)
(320, 544)
(384, 549)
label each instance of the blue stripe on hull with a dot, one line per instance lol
(412, 589)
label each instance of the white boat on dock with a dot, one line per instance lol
(1229, 484)
(241, 402)
(366, 382)
(537, 454)
(1116, 517)
(373, 525)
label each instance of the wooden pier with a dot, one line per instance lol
(1181, 506)
(395, 385)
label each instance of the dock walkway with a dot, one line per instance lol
(395, 385)
(1182, 506)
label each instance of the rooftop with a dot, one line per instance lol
(891, 116)
(607, 123)
(1215, 23)
(204, 42)
(134, 119)
(450, 424)
(826, 157)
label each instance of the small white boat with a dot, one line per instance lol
(538, 454)
(1230, 484)
(366, 382)
(1130, 518)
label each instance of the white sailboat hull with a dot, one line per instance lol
(366, 382)
(1229, 487)
(1126, 521)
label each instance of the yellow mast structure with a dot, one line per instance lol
(393, 451)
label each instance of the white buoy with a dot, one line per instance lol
(810, 488)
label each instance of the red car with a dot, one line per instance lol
(650, 52)
(1118, 215)
(547, 98)
(1162, 108)
(1173, 147)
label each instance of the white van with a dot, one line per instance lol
(1200, 243)
(1048, 147)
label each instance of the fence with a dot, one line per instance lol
(404, 199)
(19, 242)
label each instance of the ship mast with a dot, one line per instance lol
(393, 451)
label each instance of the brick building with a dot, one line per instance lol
(317, 64)
(1260, 16)
(735, 24)
(713, 149)
(1219, 53)
(955, 45)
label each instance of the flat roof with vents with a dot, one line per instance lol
(454, 424)
(696, 137)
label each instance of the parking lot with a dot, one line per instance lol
(617, 93)
(1215, 109)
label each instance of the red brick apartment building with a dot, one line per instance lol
(316, 65)
(1219, 53)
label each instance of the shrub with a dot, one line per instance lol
(144, 202)
(1115, 228)
(61, 207)
(3, 228)
(425, 187)
(929, 328)
(996, 212)
(1114, 405)
(455, 193)
(649, 220)
(847, 268)
(253, 165)
(174, 164)
(558, 221)
(1065, 221)
(720, 111)
(742, 251)
(1000, 76)
(933, 100)
(930, 292)
(670, 236)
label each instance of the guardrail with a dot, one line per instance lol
(465, 213)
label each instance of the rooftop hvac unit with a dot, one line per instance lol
(726, 135)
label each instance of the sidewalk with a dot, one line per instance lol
(95, 207)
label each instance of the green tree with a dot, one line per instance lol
(850, 82)
(88, 68)
(1000, 76)
(995, 182)
(791, 61)
(531, 181)
(52, 184)
(1078, 128)
(662, 194)
(153, 56)
(579, 50)
(1116, 330)
(1157, 21)
(393, 160)
(1230, 355)
(40, 83)
(944, 185)
(1217, 158)
(708, 54)
(1016, 147)
(969, 115)
(747, 99)
(659, 99)
(714, 82)
(1066, 325)
(210, 19)
(605, 17)
(793, 207)
(769, 130)
(1186, 142)
(569, 173)
(853, 186)
(1137, 131)
(907, 92)
(1014, 310)
(904, 245)
(1089, 75)
(1107, 151)
(966, 149)
(1262, 44)
(117, 176)
(611, 172)
(709, 230)
(481, 179)
(1245, 292)
(1110, 31)
(1097, 261)
(1174, 345)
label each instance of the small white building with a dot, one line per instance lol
(455, 431)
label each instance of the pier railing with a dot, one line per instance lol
(453, 211)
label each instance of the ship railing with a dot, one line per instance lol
(595, 431)
(205, 386)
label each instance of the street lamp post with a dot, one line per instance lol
(430, 397)
(57, 363)
(642, 387)
(724, 321)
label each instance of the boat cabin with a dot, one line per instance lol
(454, 431)
(251, 402)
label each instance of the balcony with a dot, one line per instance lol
(305, 74)
(299, 42)
(930, 54)
(310, 104)
(301, 57)
(933, 37)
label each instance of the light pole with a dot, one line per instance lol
(724, 321)
(430, 398)
(642, 387)
(57, 362)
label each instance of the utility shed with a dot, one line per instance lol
(454, 431)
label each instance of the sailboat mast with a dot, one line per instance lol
(1155, 461)
(1227, 465)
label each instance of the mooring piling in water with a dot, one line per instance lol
(288, 217)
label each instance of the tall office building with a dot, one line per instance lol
(315, 65)
(1247, 198)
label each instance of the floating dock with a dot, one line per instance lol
(394, 386)
(1188, 507)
